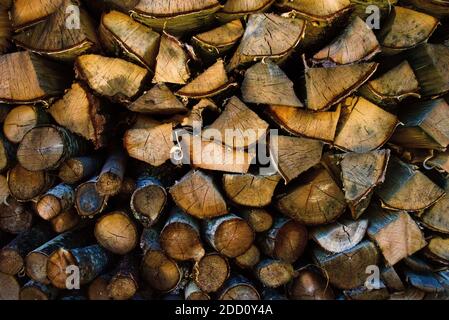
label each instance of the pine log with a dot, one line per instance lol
(238, 288)
(309, 285)
(55, 201)
(274, 273)
(266, 83)
(47, 147)
(148, 200)
(249, 259)
(229, 235)
(250, 190)
(158, 269)
(113, 78)
(317, 200)
(111, 176)
(293, 156)
(192, 292)
(406, 188)
(341, 235)
(34, 290)
(268, 35)
(39, 80)
(116, 232)
(180, 237)
(211, 272)
(10, 288)
(88, 202)
(91, 261)
(346, 270)
(26, 185)
(78, 169)
(197, 194)
(286, 240)
(363, 126)
(12, 256)
(124, 282)
(123, 36)
(65, 221)
(15, 217)
(22, 119)
(236, 9)
(259, 219)
(36, 260)
(438, 249)
(329, 86)
(54, 39)
(82, 113)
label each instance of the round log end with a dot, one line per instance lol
(10, 288)
(57, 265)
(122, 288)
(10, 261)
(36, 267)
(48, 207)
(159, 271)
(233, 238)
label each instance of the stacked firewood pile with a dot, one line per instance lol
(120, 181)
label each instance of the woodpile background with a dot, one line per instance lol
(97, 97)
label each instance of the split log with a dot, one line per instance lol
(266, 83)
(198, 114)
(438, 161)
(91, 261)
(434, 7)
(157, 269)
(39, 80)
(55, 201)
(27, 13)
(34, 290)
(294, 156)
(249, 259)
(88, 202)
(360, 7)
(211, 272)
(360, 174)
(396, 234)
(406, 29)
(238, 288)
(259, 219)
(438, 248)
(430, 64)
(236, 9)
(15, 217)
(238, 126)
(346, 270)
(340, 236)
(314, 125)
(47, 147)
(26, 185)
(364, 126)
(211, 82)
(10, 288)
(123, 36)
(197, 194)
(116, 232)
(98, 288)
(391, 279)
(78, 169)
(36, 260)
(82, 113)
(250, 190)
(329, 86)
(436, 218)
(406, 188)
(22, 119)
(177, 16)
(425, 126)
(113, 78)
(65, 221)
(267, 35)
(321, 11)
(159, 100)
(53, 37)
(12, 256)
(393, 86)
(148, 200)
(111, 176)
(180, 237)
(318, 200)
(192, 292)
(274, 273)
(124, 282)
(286, 240)
(229, 235)
(171, 62)
(357, 43)
(217, 42)
(308, 285)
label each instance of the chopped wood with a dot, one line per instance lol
(274, 273)
(259, 219)
(236, 9)
(192, 292)
(15, 217)
(112, 174)
(55, 201)
(309, 285)
(22, 119)
(25, 13)
(34, 290)
(211, 272)
(249, 259)
(10, 287)
(88, 202)
(26, 185)
(435, 218)
(65, 221)
(321, 11)
(238, 288)
(124, 282)
(438, 247)
(78, 169)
